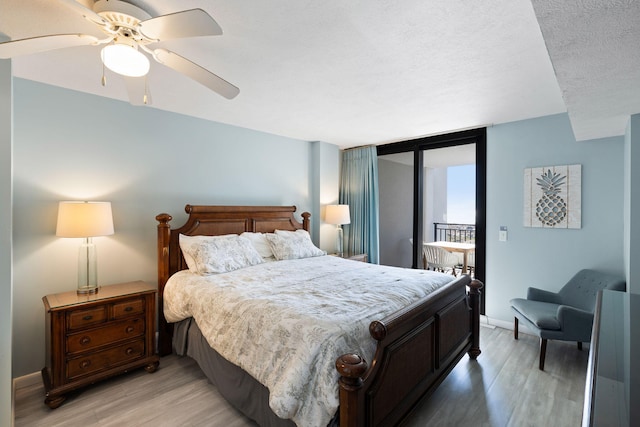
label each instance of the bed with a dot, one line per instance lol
(413, 347)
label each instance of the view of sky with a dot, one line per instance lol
(461, 194)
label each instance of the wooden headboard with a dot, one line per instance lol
(212, 221)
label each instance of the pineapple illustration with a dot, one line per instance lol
(551, 209)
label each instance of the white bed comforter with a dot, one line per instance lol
(286, 322)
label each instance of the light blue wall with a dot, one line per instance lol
(5, 242)
(70, 145)
(632, 204)
(547, 258)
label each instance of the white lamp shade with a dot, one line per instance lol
(337, 214)
(124, 59)
(84, 219)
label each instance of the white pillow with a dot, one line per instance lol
(292, 245)
(218, 254)
(185, 240)
(259, 242)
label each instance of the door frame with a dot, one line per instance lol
(417, 146)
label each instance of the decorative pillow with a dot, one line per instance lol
(292, 245)
(259, 242)
(218, 254)
(185, 240)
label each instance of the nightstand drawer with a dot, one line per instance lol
(77, 319)
(128, 308)
(110, 333)
(103, 360)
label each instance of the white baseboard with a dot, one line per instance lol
(500, 323)
(484, 322)
(27, 380)
(488, 321)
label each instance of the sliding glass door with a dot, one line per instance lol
(433, 190)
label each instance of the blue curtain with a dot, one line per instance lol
(359, 190)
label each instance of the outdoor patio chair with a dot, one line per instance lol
(439, 259)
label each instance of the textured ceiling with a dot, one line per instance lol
(348, 73)
(594, 46)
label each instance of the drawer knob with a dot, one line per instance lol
(87, 317)
(129, 351)
(85, 340)
(128, 308)
(129, 329)
(85, 364)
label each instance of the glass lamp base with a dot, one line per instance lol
(87, 290)
(339, 242)
(87, 268)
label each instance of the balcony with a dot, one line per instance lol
(461, 233)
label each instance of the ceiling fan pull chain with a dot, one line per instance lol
(104, 78)
(145, 98)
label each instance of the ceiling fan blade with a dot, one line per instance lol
(138, 90)
(188, 23)
(86, 13)
(12, 48)
(196, 72)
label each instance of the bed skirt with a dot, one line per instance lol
(238, 387)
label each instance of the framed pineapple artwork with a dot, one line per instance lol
(552, 196)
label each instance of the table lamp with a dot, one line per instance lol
(86, 220)
(338, 215)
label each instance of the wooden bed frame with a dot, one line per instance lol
(416, 347)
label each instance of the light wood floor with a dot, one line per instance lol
(502, 388)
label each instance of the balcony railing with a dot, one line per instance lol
(463, 233)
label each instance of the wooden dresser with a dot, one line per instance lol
(93, 337)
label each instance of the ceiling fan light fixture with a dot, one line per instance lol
(125, 59)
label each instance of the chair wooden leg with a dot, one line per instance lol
(580, 345)
(515, 328)
(543, 351)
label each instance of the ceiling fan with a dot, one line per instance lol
(130, 31)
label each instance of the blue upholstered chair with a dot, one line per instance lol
(566, 315)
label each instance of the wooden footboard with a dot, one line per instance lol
(417, 347)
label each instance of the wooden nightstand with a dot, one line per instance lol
(355, 257)
(93, 337)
